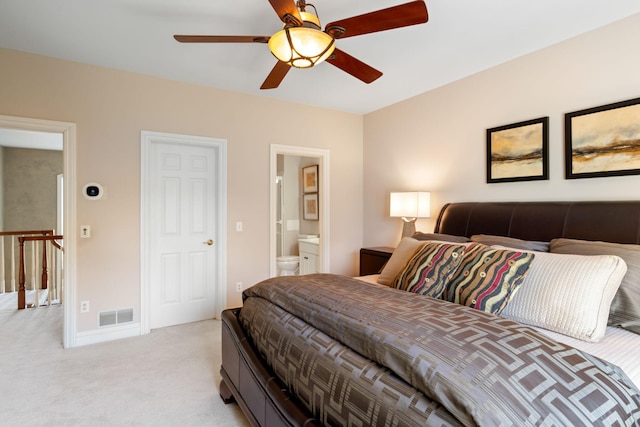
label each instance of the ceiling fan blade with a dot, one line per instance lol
(353, 66)
(403, 15)
(286, 10)
(221, 39)
(276, 75)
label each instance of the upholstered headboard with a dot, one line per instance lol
(617, 222)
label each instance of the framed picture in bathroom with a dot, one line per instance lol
(310, 179)
(310, 207)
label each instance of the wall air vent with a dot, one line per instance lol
(110, 318)
(107, 318)
(125, 315)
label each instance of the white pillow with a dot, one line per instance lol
(569, 294)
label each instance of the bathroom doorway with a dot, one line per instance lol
(288, 221)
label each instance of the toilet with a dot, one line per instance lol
(287, 265)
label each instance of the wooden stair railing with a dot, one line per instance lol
(22, 296)
(11, 269)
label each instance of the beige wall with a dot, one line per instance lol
(436, 141)
(110, 108)
(30, 188)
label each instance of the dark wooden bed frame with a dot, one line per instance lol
(265, 402)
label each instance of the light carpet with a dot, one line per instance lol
(169, 377)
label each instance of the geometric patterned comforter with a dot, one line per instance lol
(363, 354)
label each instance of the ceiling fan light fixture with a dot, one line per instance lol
(303, 46)
(302, 43)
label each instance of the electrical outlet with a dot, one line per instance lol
(239, 287)
(84, 306)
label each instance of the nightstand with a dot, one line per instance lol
(373, 259)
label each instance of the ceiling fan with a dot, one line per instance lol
(302, 43)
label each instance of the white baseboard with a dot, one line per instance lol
(108, 334)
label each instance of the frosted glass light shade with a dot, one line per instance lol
(414, 204)
(303, 46)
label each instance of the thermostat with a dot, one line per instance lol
(93, 191)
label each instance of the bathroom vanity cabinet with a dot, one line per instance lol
(308, 257)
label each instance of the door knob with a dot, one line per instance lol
(208, 242)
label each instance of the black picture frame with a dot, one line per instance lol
(518, 151)
(603, 141)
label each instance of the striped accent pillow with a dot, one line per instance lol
(430, 268)
(487, 278)
(399, 258)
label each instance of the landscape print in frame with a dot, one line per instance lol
(603, 141)
(518, 152)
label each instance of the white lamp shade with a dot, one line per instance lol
(415, 204)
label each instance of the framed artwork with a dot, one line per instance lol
(310, 179)
(603, 141)
(518, 152)
(310, 207)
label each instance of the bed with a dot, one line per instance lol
(331, 350)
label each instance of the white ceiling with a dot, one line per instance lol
(461, 38)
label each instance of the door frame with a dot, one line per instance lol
(147, 138)
(323, 170)
(68, 131)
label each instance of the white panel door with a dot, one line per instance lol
(182, 245)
